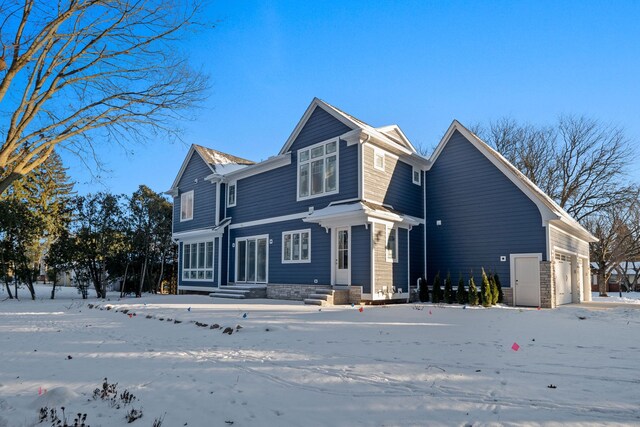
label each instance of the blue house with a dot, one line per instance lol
(347, 212)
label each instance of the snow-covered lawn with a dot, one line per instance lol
(614, 297)
(297, 365)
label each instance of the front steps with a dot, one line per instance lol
(240, 292)
(321, 297)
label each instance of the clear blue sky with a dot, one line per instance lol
(417, 64)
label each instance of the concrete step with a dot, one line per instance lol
(323, 297)
(232, 291)
(226, 295)
(324, 292)
(311, 301)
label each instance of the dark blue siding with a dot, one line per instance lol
(204, 196)
(274, 193)
(361, 257)
(403, 194)
(484, 215)
(303, 273)
(320, 127)
(401, 268)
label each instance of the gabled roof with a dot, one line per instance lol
(391, 136)
(549, 209)
(217, 161)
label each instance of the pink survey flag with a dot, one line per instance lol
(515, 346)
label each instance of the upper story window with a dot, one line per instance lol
(378, 159)
(318, 170)
(231, 195)
(392, 245)
(296, 246)
(417, 176)
(186, 206)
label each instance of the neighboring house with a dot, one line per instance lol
(629, 280)
(346, 206)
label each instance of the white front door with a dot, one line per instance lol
(343, 252)
(563, 279)
(526, 278)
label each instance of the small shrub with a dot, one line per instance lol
(436, 293)
(448, 290)
(133, 415)
(494, 289)
(423, 292)
(485, 290)
(473, 292)
(499, 286)
(461, 292)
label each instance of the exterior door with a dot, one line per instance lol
(251, 260)
(343, 252)
(563, 279)
(526, 274)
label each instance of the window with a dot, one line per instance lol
(378, 159)
(318, 170)
(197, 261)
(392, 245)
(296, 246)
(231, 195)
(186, 206)
(417, 176)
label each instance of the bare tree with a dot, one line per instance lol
(580, 162)
(73, 71)
(617, 228)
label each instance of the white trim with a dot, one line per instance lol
(512, 269)
(379, 154)
(258, 168)
(196, 269)
(186, 161)
(373, 260)
(269, 220)
(233, 184)
(256, 238)
(182, 203)
(217, 214)
(309, 161)
(334, 255)
(296, 261)
(360, 173)
(219, 260)
(408, 265)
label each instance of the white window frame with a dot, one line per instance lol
(233, 184)
(299, 260)
(389, 257)
(309, 161)
(379, 154)
(413, 176)
(209, 246)
(183, 203)
(237, 247)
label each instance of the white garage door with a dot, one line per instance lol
(563, 279)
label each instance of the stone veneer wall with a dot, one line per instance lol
(293, 292)
(507, 296)
(547, 286)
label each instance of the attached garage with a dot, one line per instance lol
(562, 270)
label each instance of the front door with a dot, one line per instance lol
(343, 263)
(527, 280)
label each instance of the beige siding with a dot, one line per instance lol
(383, 270)
(376, 182)
(560, 240)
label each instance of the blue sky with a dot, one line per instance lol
(418, 64)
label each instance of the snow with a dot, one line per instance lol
(293, 365)
(614, 297)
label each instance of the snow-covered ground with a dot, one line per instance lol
(614, 297)
(297, 365)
